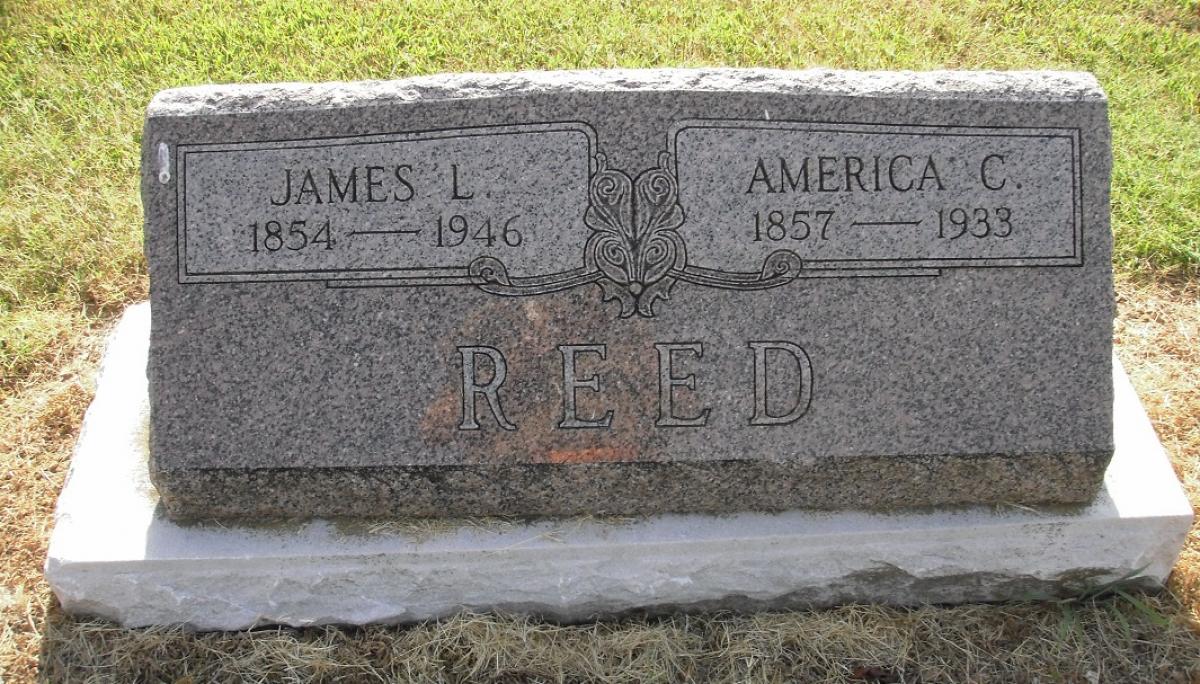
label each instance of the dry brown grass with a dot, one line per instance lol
(1102, 642)
(1106, 640)
(39, 419)
(1158, 340)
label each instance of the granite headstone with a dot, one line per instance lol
(625, 292)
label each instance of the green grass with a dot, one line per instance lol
(75, 77)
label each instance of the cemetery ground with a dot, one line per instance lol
(74, 82)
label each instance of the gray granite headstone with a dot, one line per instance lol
(629, 292)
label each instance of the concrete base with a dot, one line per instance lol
(113, 554)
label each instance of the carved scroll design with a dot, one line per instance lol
(635, 252)
(490, 275)
(633, 241)
(779, 268)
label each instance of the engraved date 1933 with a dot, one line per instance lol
(952, 223)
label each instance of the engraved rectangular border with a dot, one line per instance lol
(414, 275)
(1071, 134)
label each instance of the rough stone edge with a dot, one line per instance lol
(1041, 86)
(1063, 480)
(114, 563)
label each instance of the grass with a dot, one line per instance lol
(1102, 641)
(74, 81)
(75, 78)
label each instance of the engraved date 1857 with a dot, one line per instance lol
(798, 225)
(952, 223)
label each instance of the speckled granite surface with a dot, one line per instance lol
(113, 554)
(628, 292)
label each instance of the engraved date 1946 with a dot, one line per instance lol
(267, 237)
(456, 229)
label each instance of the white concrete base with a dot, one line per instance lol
(113, 555)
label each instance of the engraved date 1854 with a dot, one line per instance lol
(272, 236)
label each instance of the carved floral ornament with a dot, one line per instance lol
(634, 252)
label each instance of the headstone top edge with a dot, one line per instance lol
(952, 85)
